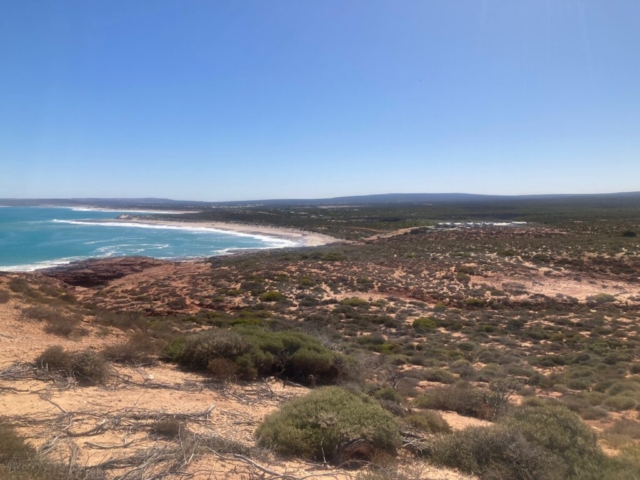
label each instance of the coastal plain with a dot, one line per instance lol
(455, 321)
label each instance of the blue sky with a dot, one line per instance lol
(213, 100)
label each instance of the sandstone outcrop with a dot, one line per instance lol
(97, 272)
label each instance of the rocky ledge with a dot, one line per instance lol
(97, 272)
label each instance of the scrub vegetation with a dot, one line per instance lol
(500, 350)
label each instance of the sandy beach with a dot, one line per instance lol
(298, 237)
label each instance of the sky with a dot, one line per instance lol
(244, 100)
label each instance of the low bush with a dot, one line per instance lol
(602, 298)
(315, 426)
(461, 398)
(54, 359)
(620, 403)
(423, 325)
(546, 442)
(57, 323)
(428, 421)
(259, 352)
(272, 296)
(557, 430)
(198, 350)
(354, 302)
(139, 349)
(86, 366)
(440, 376)
(495, 453)
(89, 367)
(388, 394)
(475, 302)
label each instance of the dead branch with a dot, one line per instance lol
(273, 474)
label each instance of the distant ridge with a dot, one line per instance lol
(376, 199)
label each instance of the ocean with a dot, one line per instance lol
(39, 237)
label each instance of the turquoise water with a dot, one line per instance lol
(32, 238)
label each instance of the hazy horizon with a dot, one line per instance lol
(290, 100)
(188, 200)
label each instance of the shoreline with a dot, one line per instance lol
(286, 237)
(299, 238)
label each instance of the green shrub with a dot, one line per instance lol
(463, 277)
(423, 325)
(602, 298)
(620, 403)
(174, 349)
(389, 348)
(201, 348)
(461, 398)
(593, 413)
(354, 302)
(86, 366)
(388, 394)
(629, 234)
(259, 352)
(578, 384)
(439, 375)
(54, 359)
(314, 426)
(428, 421)
(272, 296)
(557, 430)
(475, 302)
(89, 367)
(495, 453)
(312, 361)
(439, 307)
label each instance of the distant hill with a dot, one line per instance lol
(607, 199)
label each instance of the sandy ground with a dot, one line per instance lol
(296, 237)
(113, 423)
(558, 284)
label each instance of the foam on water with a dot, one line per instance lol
(33, 238)
(278, 242)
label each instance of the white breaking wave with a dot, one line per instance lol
(277, 242)
(30, 267)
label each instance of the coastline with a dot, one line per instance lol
(299, 238)
(279, 237)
